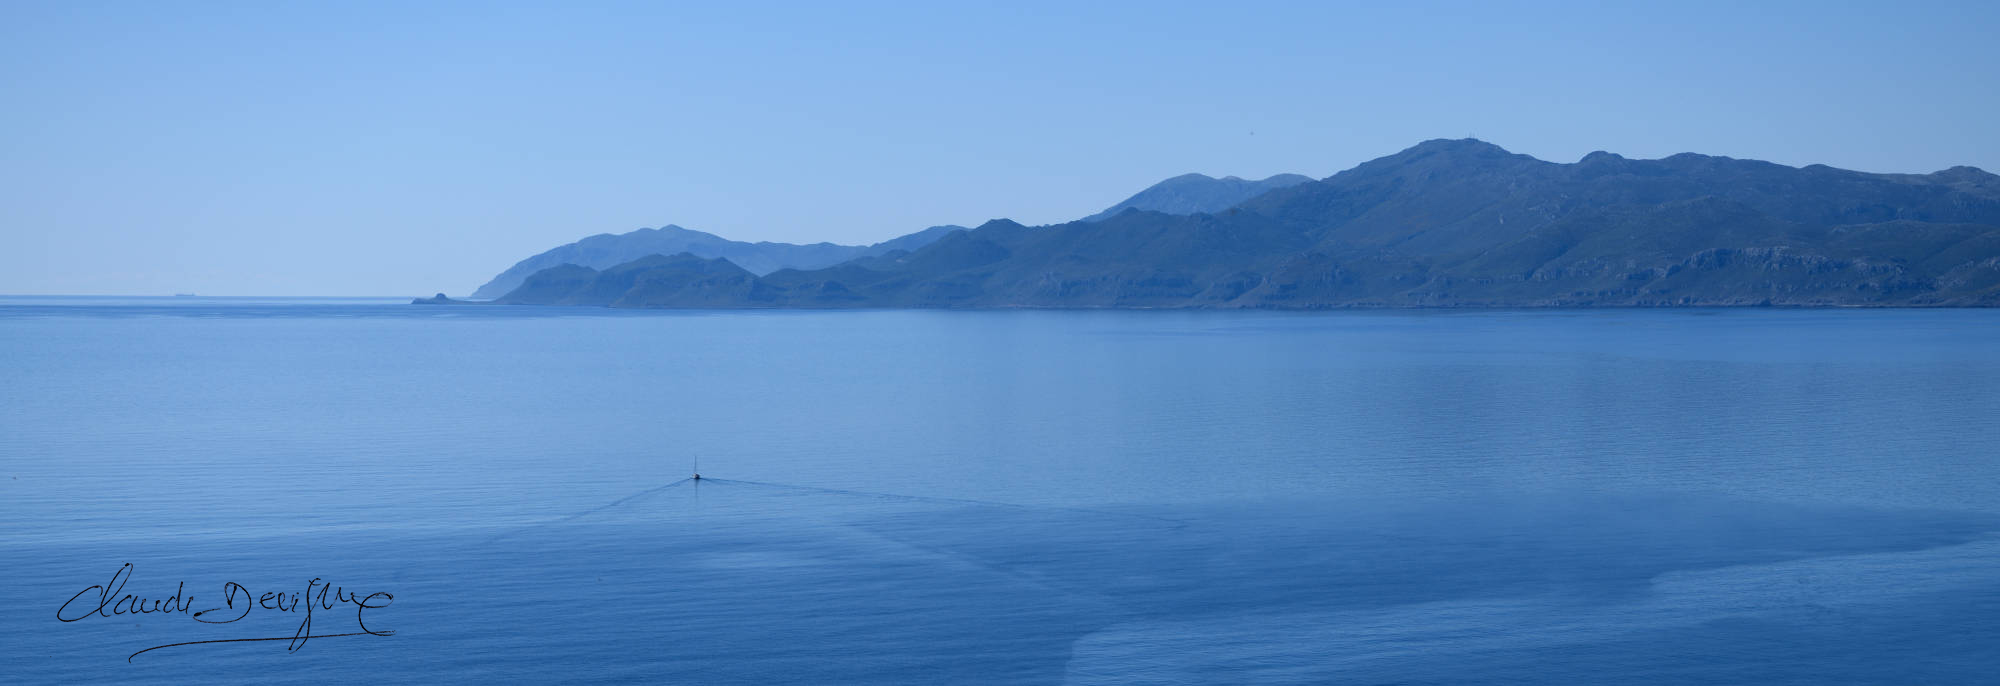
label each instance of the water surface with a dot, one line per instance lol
(1682, 496)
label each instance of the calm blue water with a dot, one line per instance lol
(1556, 497)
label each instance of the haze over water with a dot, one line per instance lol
(1617, 496)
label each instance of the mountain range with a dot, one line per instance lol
(1446, 223)
(1198, 193)
(1185, 194)
(607, 250)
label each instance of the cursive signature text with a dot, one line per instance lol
(109, 600)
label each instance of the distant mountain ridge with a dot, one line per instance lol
(607, 250)
(1184, 194)
(1445, 223)
(1198, 193)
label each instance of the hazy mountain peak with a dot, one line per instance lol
(1457, 145)
(1198, 194)
(1966, 173)
(604, 250)
(1450, 156)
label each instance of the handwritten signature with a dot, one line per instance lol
(110, 600)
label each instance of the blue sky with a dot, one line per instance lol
(404, 149)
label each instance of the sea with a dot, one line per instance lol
(504, 494)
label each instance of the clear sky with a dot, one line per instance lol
(407, 148)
